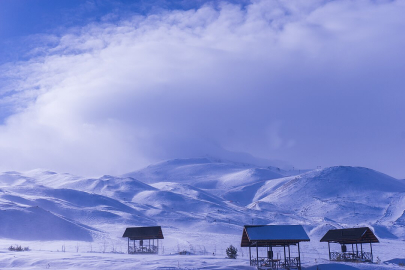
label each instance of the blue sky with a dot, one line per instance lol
(20, 19)
(95, 87)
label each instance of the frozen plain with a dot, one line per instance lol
(43, 258)
(202, 205)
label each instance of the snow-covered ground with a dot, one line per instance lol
(79, 255)
(71, 222)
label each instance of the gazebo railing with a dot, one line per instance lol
(274, 264)
(351, 256)
(292, 263)
(264, 262)
(142, 249)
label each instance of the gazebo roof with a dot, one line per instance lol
(350, 236)
(141, 233)
(275, 235)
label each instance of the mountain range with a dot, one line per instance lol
(198, 195)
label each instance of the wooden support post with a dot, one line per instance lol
(371, 248)
(134, 245)
(330, 258)
(357, 250)
(128, 245)
(299, 256)
(250, 256)
(272, 254)
(284, 256)
(257, 254)
(361, 250)
(289, 253)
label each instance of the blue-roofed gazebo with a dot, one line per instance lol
(272, 236)
(353, 237)
(141, 237)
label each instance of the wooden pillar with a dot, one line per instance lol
(250, 257)
(257, 254)
(371, 248)
(272, 254)
(330, 258)
(284, 256)
(128, 245)
(357, 250)
(289, 253)
(361, 250)
(134, 246)
(299, 256)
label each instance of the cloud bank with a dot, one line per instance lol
(310, 82)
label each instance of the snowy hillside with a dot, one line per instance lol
(206, 173)
(198, 200)
(339, 196)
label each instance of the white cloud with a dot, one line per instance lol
(112, 97)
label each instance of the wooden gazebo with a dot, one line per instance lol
(143, 239)
(353, 237)
(273, 236)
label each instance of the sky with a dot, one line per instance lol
(109, 86)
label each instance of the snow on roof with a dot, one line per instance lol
(140, 233)
(273, 234)
(350, 236)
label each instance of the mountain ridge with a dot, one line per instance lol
(204, 195)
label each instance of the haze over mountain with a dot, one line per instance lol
(123, 84)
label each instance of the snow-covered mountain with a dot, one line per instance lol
(201, 195)
(206, 173)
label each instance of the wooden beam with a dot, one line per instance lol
(329, 251)
(284, 256)
(250, 257)
(299, 256)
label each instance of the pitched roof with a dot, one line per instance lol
(140, 233)
(350, 236)
(265, 235)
